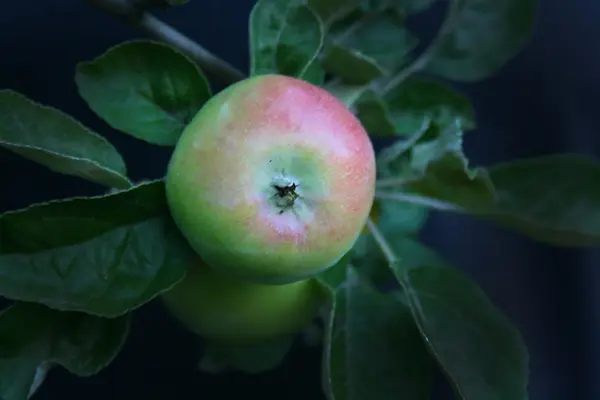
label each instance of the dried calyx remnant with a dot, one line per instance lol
(285, 196)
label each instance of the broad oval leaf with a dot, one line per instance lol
(285, 38)
(373, 346)
(103, 255)
(57, 141)
(553, 198)
(481, 36)
(33, 336)
(365, 46)
(143, 88)
(477, 347)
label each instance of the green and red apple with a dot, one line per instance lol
(272, 181)
(232, 311)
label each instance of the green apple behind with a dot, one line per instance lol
(272, 180)
(238, 312)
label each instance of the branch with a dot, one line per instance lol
(127, 12)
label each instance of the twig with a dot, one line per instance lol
(211, 64)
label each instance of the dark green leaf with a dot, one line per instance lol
(373, 346)
(414, 6)
(58, 141)
(554, 198)
(417, 99)
(146, 89)
(481, 36)
(32, 335)
(331, 11)
(285, 38)
(102, 255)
(365, 47)
(478, 348)
(374, 114)
(437, 170)
(298, 45)
(249, 358)
(369, 260)
(347, 94)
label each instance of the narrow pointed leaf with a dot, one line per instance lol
(57, 141)
(481, 36)
(143, 88)
(34, 336)
(480, 351)
(102, 255)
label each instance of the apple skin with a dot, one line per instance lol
(238, 312)
(272, 180)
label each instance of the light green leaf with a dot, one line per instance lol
(481, 36)
(103, 255)
(479, 350)
(143, 88)
(285, 38)
(249, 358)
(365, 46)
(34, 336)
(372, 345)
(57, 141)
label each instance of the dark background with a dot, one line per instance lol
(545, 101)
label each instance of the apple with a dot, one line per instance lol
(272, 181)
(232, 311)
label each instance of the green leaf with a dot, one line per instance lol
(417, 99)
(477, 347)
(374, 115)
(553, 198)
(331, 11)
(414, 6)
(373, 346)
(249, 358)
(32, 335)
(366, 46)
(146, 89)
(347, 94)
(285, 38)
(103, 255)
(438, 173)
(57, 141)
(481, 36)
(368, 258)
